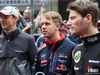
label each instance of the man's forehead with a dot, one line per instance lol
(73, 13)
(27, 10)
(46, 19)
(1, 14)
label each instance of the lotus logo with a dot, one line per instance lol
(77, 56)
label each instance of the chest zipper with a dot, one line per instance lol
(54, 60)
(83, 61)
(8, 56)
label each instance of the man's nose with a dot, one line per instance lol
(68, 23)
(43, 25)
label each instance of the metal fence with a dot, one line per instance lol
(14, 2)
(22, 2)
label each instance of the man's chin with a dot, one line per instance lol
(3, 28)
(73, 33)
(45, 36)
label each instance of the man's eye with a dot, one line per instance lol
(45, 23)
(6, 17)
(41, 23)
(72, 18)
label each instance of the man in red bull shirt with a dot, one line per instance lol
(56, 49)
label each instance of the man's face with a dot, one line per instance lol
(48, 27)
(26, 14)
(76, 23)
(8, 23)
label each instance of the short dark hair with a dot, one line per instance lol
(84, 7)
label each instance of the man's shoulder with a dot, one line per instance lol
(25, 35)
(1, 37)
(68, 42)
(79, 48)
(42, 47)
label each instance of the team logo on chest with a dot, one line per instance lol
(77, 56)
(43, 56)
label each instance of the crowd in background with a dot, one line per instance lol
(24, 24)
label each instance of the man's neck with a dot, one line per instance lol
(54, 38)
(90, 32)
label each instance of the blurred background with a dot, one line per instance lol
(35, 5)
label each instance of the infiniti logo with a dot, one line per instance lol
(43, 55)
(92, 39)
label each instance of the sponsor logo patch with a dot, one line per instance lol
(77, 56)
(63, 56)
(44, 45)
(43, 61)
(76, 68)
(61, 67)
(94, 61)
(92, 70)
(35, 59)
(19, 51)
(92, 39)
(43, 56)
(62, 61)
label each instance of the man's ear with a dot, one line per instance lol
(58, 25)
(16, 18)
(88, 18)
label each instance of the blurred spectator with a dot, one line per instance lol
(29, 25)
(63, 29)
(38, 18)
(26, 16)
(21, 23)
(38, 30)
(38, 25)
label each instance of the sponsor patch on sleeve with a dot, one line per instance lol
(77, 56)
(44, 45)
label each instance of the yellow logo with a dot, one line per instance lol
(35, 59)
(77, 56)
